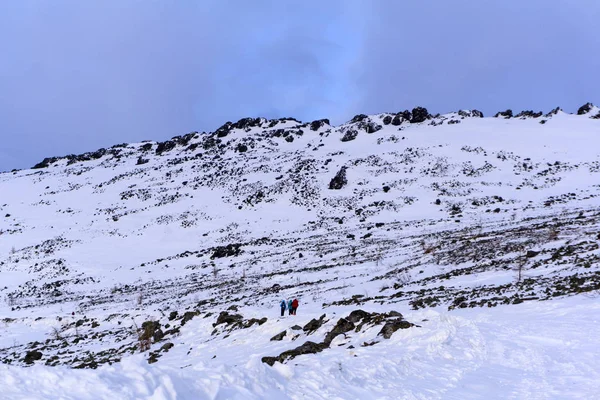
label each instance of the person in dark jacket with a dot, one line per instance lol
(294, 306)
(283, 306)
(290, 308)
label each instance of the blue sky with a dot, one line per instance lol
(79, 75)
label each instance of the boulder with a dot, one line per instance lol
(32, 356)
(279, 336)
(342, 326)
(419, 114)
(314, 324)
(584, 109)
(392, 326)
(339, 181)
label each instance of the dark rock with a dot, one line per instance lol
(397, 120)
(528, 114)
(32, 356)
(188, 316)
(531, 253)
(242, 148)
(141, 161)
(419, 114)
(231, 250)
(387, 120)
(358, 315)
(339, 181)
(270, 360)
(146, 147)
(163, 147)
(279, 336)
(342, 326)
(296, 328)
(392, 326)
(584, 109)
(166, 347)
(386, 189)
(470, 113)
(554, 112)
(228, 319)
(45, 162)
(349, 135)
(314, 324)
(506, 114)
(172, 315)
(315, 125)
(372, 127)
(358, 118)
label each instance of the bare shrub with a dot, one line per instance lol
(144, 337)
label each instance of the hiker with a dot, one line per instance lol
(294, 306)
(283, 307)
(290, 308)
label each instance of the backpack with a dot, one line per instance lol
(282, 304)
(295, 303)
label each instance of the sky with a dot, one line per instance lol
(77, 75)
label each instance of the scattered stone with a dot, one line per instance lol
(279, 336)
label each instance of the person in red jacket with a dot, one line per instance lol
(294, 306)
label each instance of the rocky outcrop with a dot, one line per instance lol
(584, 109)
(339, 180)
(504, 114)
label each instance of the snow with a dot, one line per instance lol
(112, 244)
(545, 350)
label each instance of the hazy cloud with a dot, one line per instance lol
(79, 75)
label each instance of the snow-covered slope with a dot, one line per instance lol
(466, 226)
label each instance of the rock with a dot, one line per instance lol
(279, 336)
(349, 135)
(386, 189)
(419, 114)
(188, 317)
(32, 356)
(554, 112)
(172, 315)
(531, 253)
(166, 347)
(146, 147)
(528, 114)
(315, 125)
(270, 360)
(242, 148)
(141, 161)
(342, 326)
(313, 325)
(163, 147)
(231, 250)
(387, 120)
(392, 326)
(358, 118)
(584, 109)
(506, 114)
(306, 348)
(298, 327)
(358, 315)
(397, 120)
(470, 113)
(228, 319)
(372, 127)
(339, 181)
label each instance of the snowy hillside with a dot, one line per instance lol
(446, 256)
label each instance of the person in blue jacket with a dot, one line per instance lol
(283, 307)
